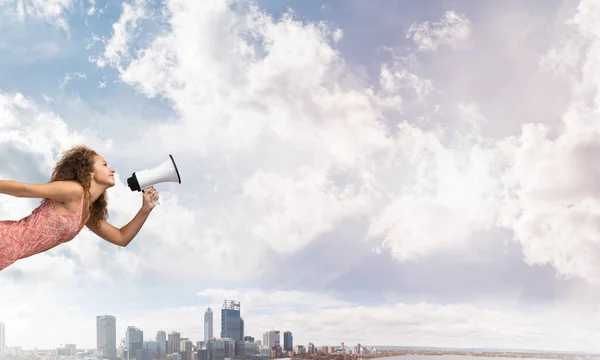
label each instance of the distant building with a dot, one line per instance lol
(161, 344)
(134, 341)
(106, 336)
(288, 341)
(187, 351)
(67, 350)
(152, 348)
(208, 324)
(271, 339)
(174, 343)
(222, 348)
(232, 324)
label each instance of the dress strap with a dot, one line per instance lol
(80, 212)
(81, 201)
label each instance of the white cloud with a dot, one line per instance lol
(454, 30)
(554, 205)
(392, 81)
(118, 46)
(284, 83)
(299, 112)
(32, 129)
(288, 131)
(92, 9)
(52, 11)
(294, 91)
(452, 193)
(69, 77)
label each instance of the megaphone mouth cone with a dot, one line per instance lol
(164, 172)
(175, 166)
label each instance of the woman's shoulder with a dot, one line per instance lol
(71, 184)
(73, 188)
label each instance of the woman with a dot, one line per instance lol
(74, 197)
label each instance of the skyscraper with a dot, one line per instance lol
(187, 349)
(174, 343)
(134, 340)
(271, 338)
(106, 336)
(232, 325)
(208, 324)
(161, 344)
(288, 341)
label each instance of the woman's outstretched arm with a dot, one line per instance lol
(123, 236)
(63, 191)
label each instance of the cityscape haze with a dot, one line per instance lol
(173, 346)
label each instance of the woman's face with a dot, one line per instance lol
(103, 174)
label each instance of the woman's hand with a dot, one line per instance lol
(149, 195)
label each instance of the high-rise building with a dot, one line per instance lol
(174, 343)
(208, 324)
(222, 348)
(70, 349)
(134, 341)
(232, 324)
(187, 349)
(161, 344)
(151, 347)
(288, 341)
(106, 336)
(271, 338)
(2, 340)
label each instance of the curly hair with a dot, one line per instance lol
(77, 164)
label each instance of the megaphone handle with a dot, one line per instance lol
(154, 202)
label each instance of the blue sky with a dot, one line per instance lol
(362, 171)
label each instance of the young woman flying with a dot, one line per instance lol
(75, 197)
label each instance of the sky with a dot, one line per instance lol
(385, 173)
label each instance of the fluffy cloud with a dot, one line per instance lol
(52, 11)
(285, 84)
(304, 117)
(553, 201)
(454, 29)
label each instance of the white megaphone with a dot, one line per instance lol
(165, 172)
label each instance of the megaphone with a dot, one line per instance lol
(165, 172)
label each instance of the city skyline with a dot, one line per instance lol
(134, 338)
(137, 345)
(417, 173)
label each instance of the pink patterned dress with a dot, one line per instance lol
(40, 231)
